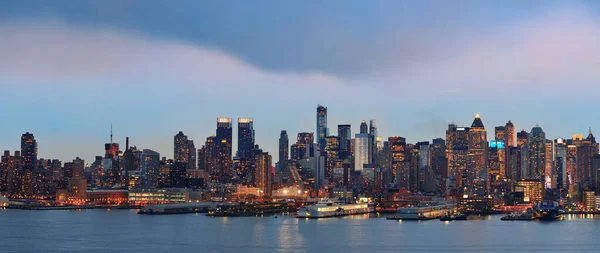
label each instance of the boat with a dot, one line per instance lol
(327, 208)
(426, 212)
(527, 216)
(548, 210)
(452, 217)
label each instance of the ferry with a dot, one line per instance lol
(427, 212)
(327, 208)
(548, 210)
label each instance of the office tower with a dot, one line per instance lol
(373, 140)
(439, 162)
(344, 136)
(510, 135)
(478, 145)
(537, 153)
(560, 164)
(494, 162)
(97, 173)
(192, 164)
(364, 129)
(586, 149)
(202, 158)
(361, 151)
(263, 173)
(29, 150)
(322, 130)
(549, 163)
(457, 152)
(513, 163)
(397, 147)
(181, 146)
(150, 162)
(413, 167)
(425, 176)
(571, 162)
(304, 146)
(210, 155)
(332, 146)
(245, 136)
(177, 174)
(500, 134)
(78, 167)
(17, 179)
(523, 144)
(223, 145)
(284, 145)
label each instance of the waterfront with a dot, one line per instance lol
(125, 231)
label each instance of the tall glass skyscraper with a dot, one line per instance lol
(284, 145)
(322, 130)
(223, 142)
(29, 150)
(344, 136)
(245, 136)
(361, 151)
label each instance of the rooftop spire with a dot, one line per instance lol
(477, 116)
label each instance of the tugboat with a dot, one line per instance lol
(548, 210)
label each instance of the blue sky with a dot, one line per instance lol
(153, 68)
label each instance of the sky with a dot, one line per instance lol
(152, 68)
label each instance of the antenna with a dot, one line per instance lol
(111, 134)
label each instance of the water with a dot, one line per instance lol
(125, 231)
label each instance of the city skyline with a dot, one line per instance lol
(510, 61)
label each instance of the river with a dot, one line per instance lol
(125, 231)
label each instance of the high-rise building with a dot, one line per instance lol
(245, 136)
(223, 141)
(585, 172)
(264, 176)
(511, 134)
(400, 172)
(210, 156)
(364, 129)
(181, 148)
(457, 153)
(304, 146)
(500, 134)
(549, 163)
(284, 152)
(18, 179)
(537, 153)
(513, 164)
(29, 150)
(332, 145)
(560, 164)
(373, 140)
(478, 147)
(150, 162)
(523, 144)
(344, 136)
(192, 164)
(361, 151)
(322, 130)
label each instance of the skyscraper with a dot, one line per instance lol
(457, 152)
(223, 143)
(150, 162)
(29, 150)
(181, 148)
(372, 140)
(500, 134)
(192, 164)
(537, 153)
(331, 149)
(344, 136)
(245, 136)
(284, 145)
(478, 148)
(322, 130)
(397, 149)
(511, 136)
(523, 144)
(364, 129)
(361, 151)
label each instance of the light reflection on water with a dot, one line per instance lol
(125, 231)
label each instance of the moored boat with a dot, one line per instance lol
(327, 208)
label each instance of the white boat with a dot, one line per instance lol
(427, 212)
(327, 208)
